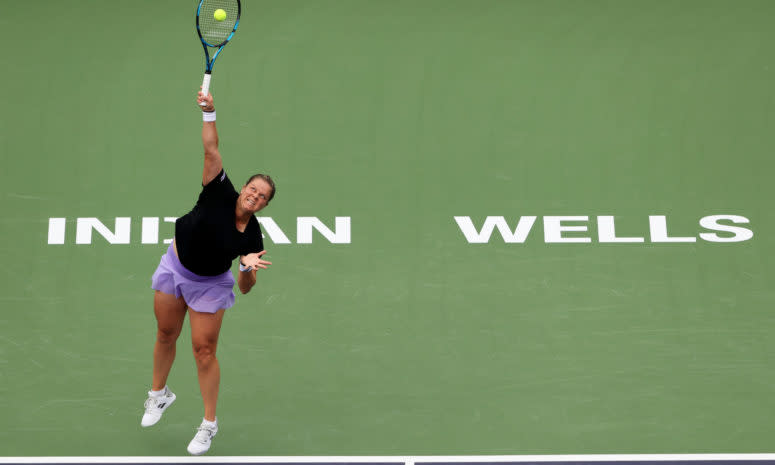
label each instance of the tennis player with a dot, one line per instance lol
(194, 277)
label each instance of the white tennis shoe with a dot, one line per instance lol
(203, 438)
(156, 405)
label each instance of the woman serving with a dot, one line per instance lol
(194, 277)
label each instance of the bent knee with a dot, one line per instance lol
(204, 352)
(167, 335)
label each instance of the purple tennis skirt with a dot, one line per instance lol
(206, 294)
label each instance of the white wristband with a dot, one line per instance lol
(208, 116)
(244, 268)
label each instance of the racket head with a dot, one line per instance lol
(214, 33)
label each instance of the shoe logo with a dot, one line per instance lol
(161, 405)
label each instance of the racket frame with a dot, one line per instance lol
(209, 63)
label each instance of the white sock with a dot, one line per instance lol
(158, 393)
(210, 423)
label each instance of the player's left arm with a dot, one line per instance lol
(247, 279)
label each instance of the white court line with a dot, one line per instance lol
(407, 460)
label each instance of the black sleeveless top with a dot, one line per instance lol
(207, 237)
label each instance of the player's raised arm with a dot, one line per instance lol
(213, 163)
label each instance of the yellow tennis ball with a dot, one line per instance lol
(219, 14)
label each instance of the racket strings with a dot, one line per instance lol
(216, 32)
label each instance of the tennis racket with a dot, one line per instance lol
(215, 31)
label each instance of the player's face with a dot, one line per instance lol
(255, 195)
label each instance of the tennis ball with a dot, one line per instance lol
(219, 14)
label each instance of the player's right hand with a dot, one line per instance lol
(205, 102)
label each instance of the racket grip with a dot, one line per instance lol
(206, 86)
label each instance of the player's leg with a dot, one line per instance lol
(205, 328)
(170, 313)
